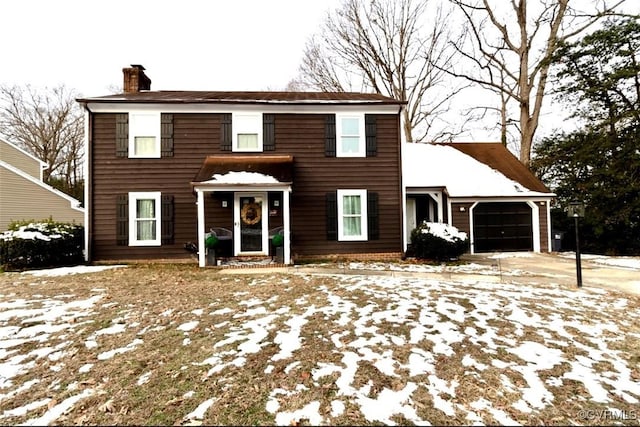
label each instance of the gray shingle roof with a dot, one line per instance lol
(220, 97)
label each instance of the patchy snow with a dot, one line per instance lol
(144, 378)
(444, 231)
(629, 262)
(63, 271)
(429, 165)
(243, 177)
(503, 255)
(38, 230)
(428, 319)
(129, 347)
(55, 412)
(23, 410)
(198, 413)
(189, 326)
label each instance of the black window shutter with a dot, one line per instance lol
(332, 215)
(167, 222)
(330, 136)
(370, 130)
(373, 224)
(166, 134)
(225, 133)
(268, 132)
(122, 135)
(122, 219)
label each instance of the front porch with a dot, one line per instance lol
(244, 207)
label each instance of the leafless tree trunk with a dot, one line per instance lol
(48, 124)
(382, 46)
(516, 40)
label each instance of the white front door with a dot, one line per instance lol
(250, 224)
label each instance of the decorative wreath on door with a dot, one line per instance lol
(251, 213)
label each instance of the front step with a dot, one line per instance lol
(248, 262)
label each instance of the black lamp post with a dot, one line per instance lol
(576, 210)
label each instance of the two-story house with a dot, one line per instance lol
(165, 167)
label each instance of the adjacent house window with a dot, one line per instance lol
(247, 131)
(350, 135)
(352, 214)
(144, 135)
(144, 219)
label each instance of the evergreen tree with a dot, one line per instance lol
(600, 162)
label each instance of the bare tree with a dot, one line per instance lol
(509, 48)
(48, 124)
(388, 47)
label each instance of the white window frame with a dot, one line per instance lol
(136, 128)
(363, 215)
(133, 198)
(256, 127)
(361, 133)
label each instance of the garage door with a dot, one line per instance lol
(504, 226)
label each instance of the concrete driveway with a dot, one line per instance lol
(540, 267)
(519, 267)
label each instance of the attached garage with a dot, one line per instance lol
(502, 227)
(482, 189)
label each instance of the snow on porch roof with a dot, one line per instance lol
(247, 170)
(469, 170)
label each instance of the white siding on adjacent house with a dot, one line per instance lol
(20, 159)
(25, 197)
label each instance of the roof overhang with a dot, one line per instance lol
(248, 173)
(219, 107)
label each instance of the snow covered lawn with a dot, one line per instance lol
(176, 345)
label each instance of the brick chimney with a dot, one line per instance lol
(135, 79)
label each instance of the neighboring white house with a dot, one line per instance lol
(480, 188)
(23, 194)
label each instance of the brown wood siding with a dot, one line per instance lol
(460, 219)
(544, 227)
(195, 137)
(315, 175)
(198, 135)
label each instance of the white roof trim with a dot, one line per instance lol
(75, 204)
(283, 108)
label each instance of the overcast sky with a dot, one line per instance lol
(184, 45)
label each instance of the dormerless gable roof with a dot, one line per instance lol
(217, 97)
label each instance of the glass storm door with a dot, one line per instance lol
(250, 224)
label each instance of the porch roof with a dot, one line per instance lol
(259, 170)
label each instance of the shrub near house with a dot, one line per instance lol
(437, 241)
(47, 243)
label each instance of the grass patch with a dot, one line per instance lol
(154, 342)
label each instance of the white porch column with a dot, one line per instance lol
(535, 224)
(286, 194)
(201, 254)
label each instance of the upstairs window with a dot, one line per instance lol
(350, 135)
(247, 132)
(144, 135)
